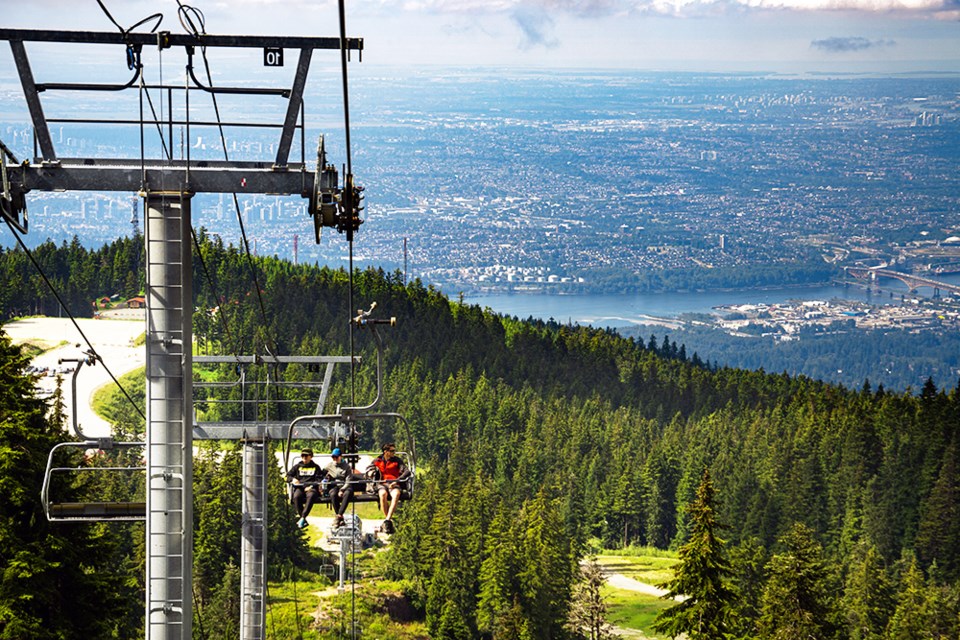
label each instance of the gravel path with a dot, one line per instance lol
(112, 339)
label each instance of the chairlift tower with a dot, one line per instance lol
(167, 186)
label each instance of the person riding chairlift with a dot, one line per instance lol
(305, 477)
(390, 472)
(308, 479)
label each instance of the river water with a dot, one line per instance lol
(619, 310)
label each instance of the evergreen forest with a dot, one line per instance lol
(896, 359)
(799, 508)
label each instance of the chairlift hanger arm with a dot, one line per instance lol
(73, 86)
(81, 86)
(237, 90)
(90, 360)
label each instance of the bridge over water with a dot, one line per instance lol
(909, 279)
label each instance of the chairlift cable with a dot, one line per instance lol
(351, 196)
(139, 67)
(199, 33)
(167, 152)
(158, 16)
(145, 91)
(199, 610)
(296, 604)
(221, 306)
(71, 316)
(273, 622)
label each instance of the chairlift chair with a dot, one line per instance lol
(366, 485)
(90, 510)
(344, 420)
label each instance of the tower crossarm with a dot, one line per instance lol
(206, 176)
(167, 39)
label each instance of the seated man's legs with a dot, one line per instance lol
(297, 499)
(312, 495)
(334, 493)
(346, 495)
(382, 491)
(394, 500)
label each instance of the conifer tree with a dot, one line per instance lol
(451, 600)
(868, 596)
(219, 520)
(941, 607)
(546, 568)
(910, 619)
(702, 576)
(747, 562)
(497, 575)
(55, 580)
(795, 602)
(222, 619)
(938, 537)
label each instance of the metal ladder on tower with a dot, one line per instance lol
(169, 454)
(253, 551)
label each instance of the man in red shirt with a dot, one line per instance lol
(391, 470)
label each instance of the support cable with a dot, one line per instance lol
(188, 24)
(72, 318)
(133, 60)
(273, 622)
(199, 610)
(157, 16)
(221, 302)
(296, 605)
(144, 91)
(349, 183)
(349, 186)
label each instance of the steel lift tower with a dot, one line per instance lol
(167, 186)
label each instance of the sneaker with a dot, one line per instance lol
(387, 526)
(302, 523)
(338, 521)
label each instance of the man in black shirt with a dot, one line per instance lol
(305, 477)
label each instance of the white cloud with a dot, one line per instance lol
(676, 7)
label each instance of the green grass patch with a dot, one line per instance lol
(32, 350)
(650, 569)
(367, 510)
(34, 346)
(292, 604)
(112, 405)
(312, 607)
(632, 610)
(642, 551)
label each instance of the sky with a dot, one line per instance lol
(884, 36)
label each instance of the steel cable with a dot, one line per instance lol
(63, 305)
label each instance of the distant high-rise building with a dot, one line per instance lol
(135, 216)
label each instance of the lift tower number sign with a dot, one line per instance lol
(272, 57)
